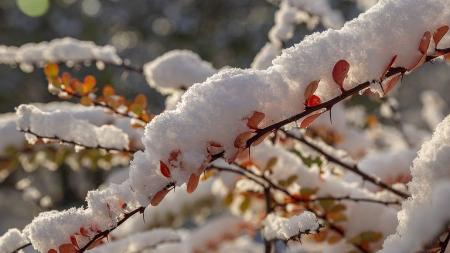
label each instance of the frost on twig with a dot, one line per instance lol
(63, 126)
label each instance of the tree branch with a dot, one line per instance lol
(59, 139)
(353, 168)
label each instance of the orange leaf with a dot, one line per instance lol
(313, 100)
(386, 70)
(425, 42)
(340, 72)
(52, 251)
(439, 34)
(311, 88)
(255, 119)
(67, 248)
(89, 84)
(241, 139)
(86, 101)
(108, 91)
(391, 83)
(66, 77)
(164, 169)
(51, 70)
(158, 197)
(141, 100)
(214, 148)
(308, 120)
(192, 183)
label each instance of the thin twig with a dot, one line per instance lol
(353, 168)
(59, 139)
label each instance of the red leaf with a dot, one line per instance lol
(241, 140)
(439, 34)
(84, 232)
(67, 248)
(158, 197)
(308, 120)
(340, 72)
(313, 100)
(386, 70)
(425, 42)
(52, 251)
(214, 148)
(192, 183)
(419, 63)
(73, 240)
(391, 83)
(164, 169)
(311, 88)
(255, 119)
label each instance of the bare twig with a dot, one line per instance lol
(59, 139)
(353, 167)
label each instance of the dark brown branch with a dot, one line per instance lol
(353, 168)
(445, 243)
(22, 247)
(59, 139)
(106, 232)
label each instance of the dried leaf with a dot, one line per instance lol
(52, 251)
(108, 91)
(418, 63)
(164, 169)
(386, 70)
(390, 84)
(158, 197)
(141, 100)
(88, 84)
(425, 42)
(51, 70)
(340, 72)
(86, 101)
(271, 163)
(73, 240)
(67, 248)
(439, 34)
(311, 88)
(308, 120)
(192, 183)
(255, 119)
(241, 139)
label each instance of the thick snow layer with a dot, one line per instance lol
(402, 25)
(276, 227)
(58, 50)
(177, 69)
(12, 240)
(424, 216)
(219, 105)
(64, 126)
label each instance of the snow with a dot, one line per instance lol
(276, 227)
(64, 126)
(425, 215)
(67, 50)
(139, 242)
(12, 240)
(177, 69)
(359, 43)
(433, 108)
